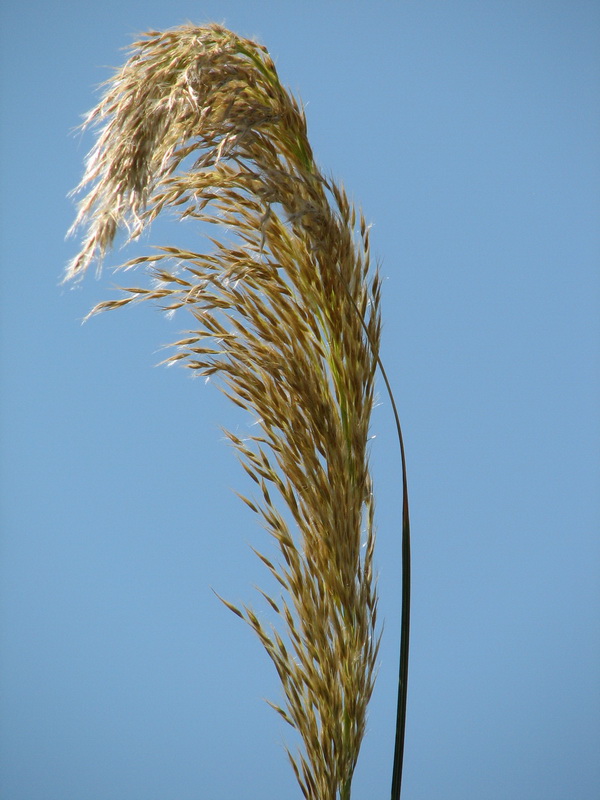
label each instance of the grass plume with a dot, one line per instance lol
(286, 314)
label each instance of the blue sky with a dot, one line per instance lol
(470, 135)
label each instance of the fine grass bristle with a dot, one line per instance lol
(287, 315)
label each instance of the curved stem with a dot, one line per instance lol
(406, 563)
(405, 614)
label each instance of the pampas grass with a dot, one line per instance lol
(285, 311)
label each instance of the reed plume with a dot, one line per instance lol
(286, 315)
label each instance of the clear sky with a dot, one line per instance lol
(469, 132)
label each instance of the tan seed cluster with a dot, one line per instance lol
(287, 316)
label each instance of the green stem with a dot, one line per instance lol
(405, 613)
(405, 610)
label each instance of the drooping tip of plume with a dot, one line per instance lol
(190, 88)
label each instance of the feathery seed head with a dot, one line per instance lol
(288, 316)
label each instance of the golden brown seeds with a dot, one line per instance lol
(198, 121)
